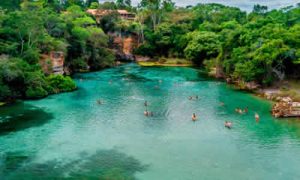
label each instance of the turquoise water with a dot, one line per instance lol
(71, 136)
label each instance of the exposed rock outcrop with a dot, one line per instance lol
(286, 108)
(53, 63)
(124, 46)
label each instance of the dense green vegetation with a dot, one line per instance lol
(30, 29)
(261, 46)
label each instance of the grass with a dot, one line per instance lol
(167, 62)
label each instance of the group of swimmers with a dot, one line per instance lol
(227, 124)
(241, 111)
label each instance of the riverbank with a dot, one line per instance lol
(164, 62)
(285, 96)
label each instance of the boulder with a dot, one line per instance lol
(286, 108)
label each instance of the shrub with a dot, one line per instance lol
(36, 92)
(31, 56)
(79, 64)
(59, 83)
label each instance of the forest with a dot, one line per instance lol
(261, 46)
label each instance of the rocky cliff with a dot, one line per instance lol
(124, 46)
(53, 63)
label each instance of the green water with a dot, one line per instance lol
(71, 136)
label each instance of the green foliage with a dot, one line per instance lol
(261, 46)
(36, 92)
(202, 45)
(10, 5)
(60, 83)
(79, 64)
(32, 56)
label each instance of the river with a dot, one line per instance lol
(71, 136)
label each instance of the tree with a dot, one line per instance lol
(123, 4)
(202, 45)
(258, 9)
(88, 3)
(156, 9)
(10, 5)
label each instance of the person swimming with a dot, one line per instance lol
(246, 110)
(197, 97)
(146, 103)
(228, 124)
(194, 117)
(146, 113)
(99, 102)
(239, 110)
(222, 104)
(190, 98)
(256, 117)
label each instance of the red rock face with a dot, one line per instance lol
(53, 63)
(125, 46)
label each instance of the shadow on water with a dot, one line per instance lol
(21, 116)
(104, 164)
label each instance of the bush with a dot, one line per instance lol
(36, 92)
(59, 83)
(79, 64)
(4, 91)
(31, 56)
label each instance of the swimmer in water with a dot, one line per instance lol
(246, 110)
(194, 117)
(228, 124)
(222, 104)
(145, 103)
(256, 117)
(240, 111)
(99, 102)
(146, 113)
(190, 98)
(197, 97)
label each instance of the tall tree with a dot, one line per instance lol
(156, 9)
